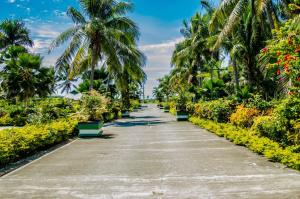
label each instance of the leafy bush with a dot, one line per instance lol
(38, 111)
(217, 110)
(271, 127)
(93, 106)
(256, 101)
(289, 113)
(244, 116)
(261, 145)
(17, 143)
(212, 89)
(135, 104)
(172, 108)
(182, 99)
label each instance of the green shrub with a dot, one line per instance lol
(261, 145)
(217, 110)
(17, 143)
(173, 108)
(288, 111)
(244, 117)
(135, 104)
(257, 102)
(271, 127)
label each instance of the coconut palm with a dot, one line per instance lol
(98, 35)
(193, 50)
(14, 32)
(66, 82)
(132, 73)
(230, 12)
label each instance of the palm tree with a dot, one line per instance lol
(241, 24)
(66, 82)
(193, 51)
(132, 73)
(14, 32)
(97, 36)
(23, 77)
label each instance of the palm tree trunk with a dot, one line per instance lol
(236, 74)
(93, 66)
(270, 15)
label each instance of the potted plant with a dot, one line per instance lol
(125, 111)
(166, 107)
(181, 106)
(94, 105)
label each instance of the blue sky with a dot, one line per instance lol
(159, 22)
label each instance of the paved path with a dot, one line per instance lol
(152, 156)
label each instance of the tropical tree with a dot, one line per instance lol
(66, 83)
(23, 77)
(99, 34)
(14, 32)
(246, 25)
(193, 50)
(132, 73)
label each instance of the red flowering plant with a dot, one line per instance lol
(280, 59)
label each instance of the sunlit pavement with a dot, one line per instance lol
(152, 156)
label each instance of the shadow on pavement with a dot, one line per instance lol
(139, 123)
(104, 136)
(146, 117)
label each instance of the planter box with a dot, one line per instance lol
(182, 116)
(125, 114)
(167, 109)
(90, 129)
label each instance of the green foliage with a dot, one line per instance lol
(37, 111)
(256, 101)
(23, 77)
(18, 143)
(280, 60)
(271, 127)
(93, 106)
(212, 89)
(288, 111)
(261, 145)
(135, 104)
(244, 117)
(182, 99)
(217, 110)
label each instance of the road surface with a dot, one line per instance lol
(152, 156)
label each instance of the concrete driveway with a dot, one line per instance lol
(152, 156)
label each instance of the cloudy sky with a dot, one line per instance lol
(159, 22)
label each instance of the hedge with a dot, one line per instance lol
(17, 143)
(261, 145)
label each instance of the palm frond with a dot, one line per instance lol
(63, 37)
(232, 21)
(76, 16)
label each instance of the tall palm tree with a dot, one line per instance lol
(193, 50)
(14, 32)
(243, 23)
(132, 73)
(98, 35)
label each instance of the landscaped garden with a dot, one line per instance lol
(101, 64)
(237, 74)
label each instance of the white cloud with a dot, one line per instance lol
(159, 57)
(161, 46)
(11, 1)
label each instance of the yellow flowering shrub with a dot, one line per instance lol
(17, 143)
(244, 116)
